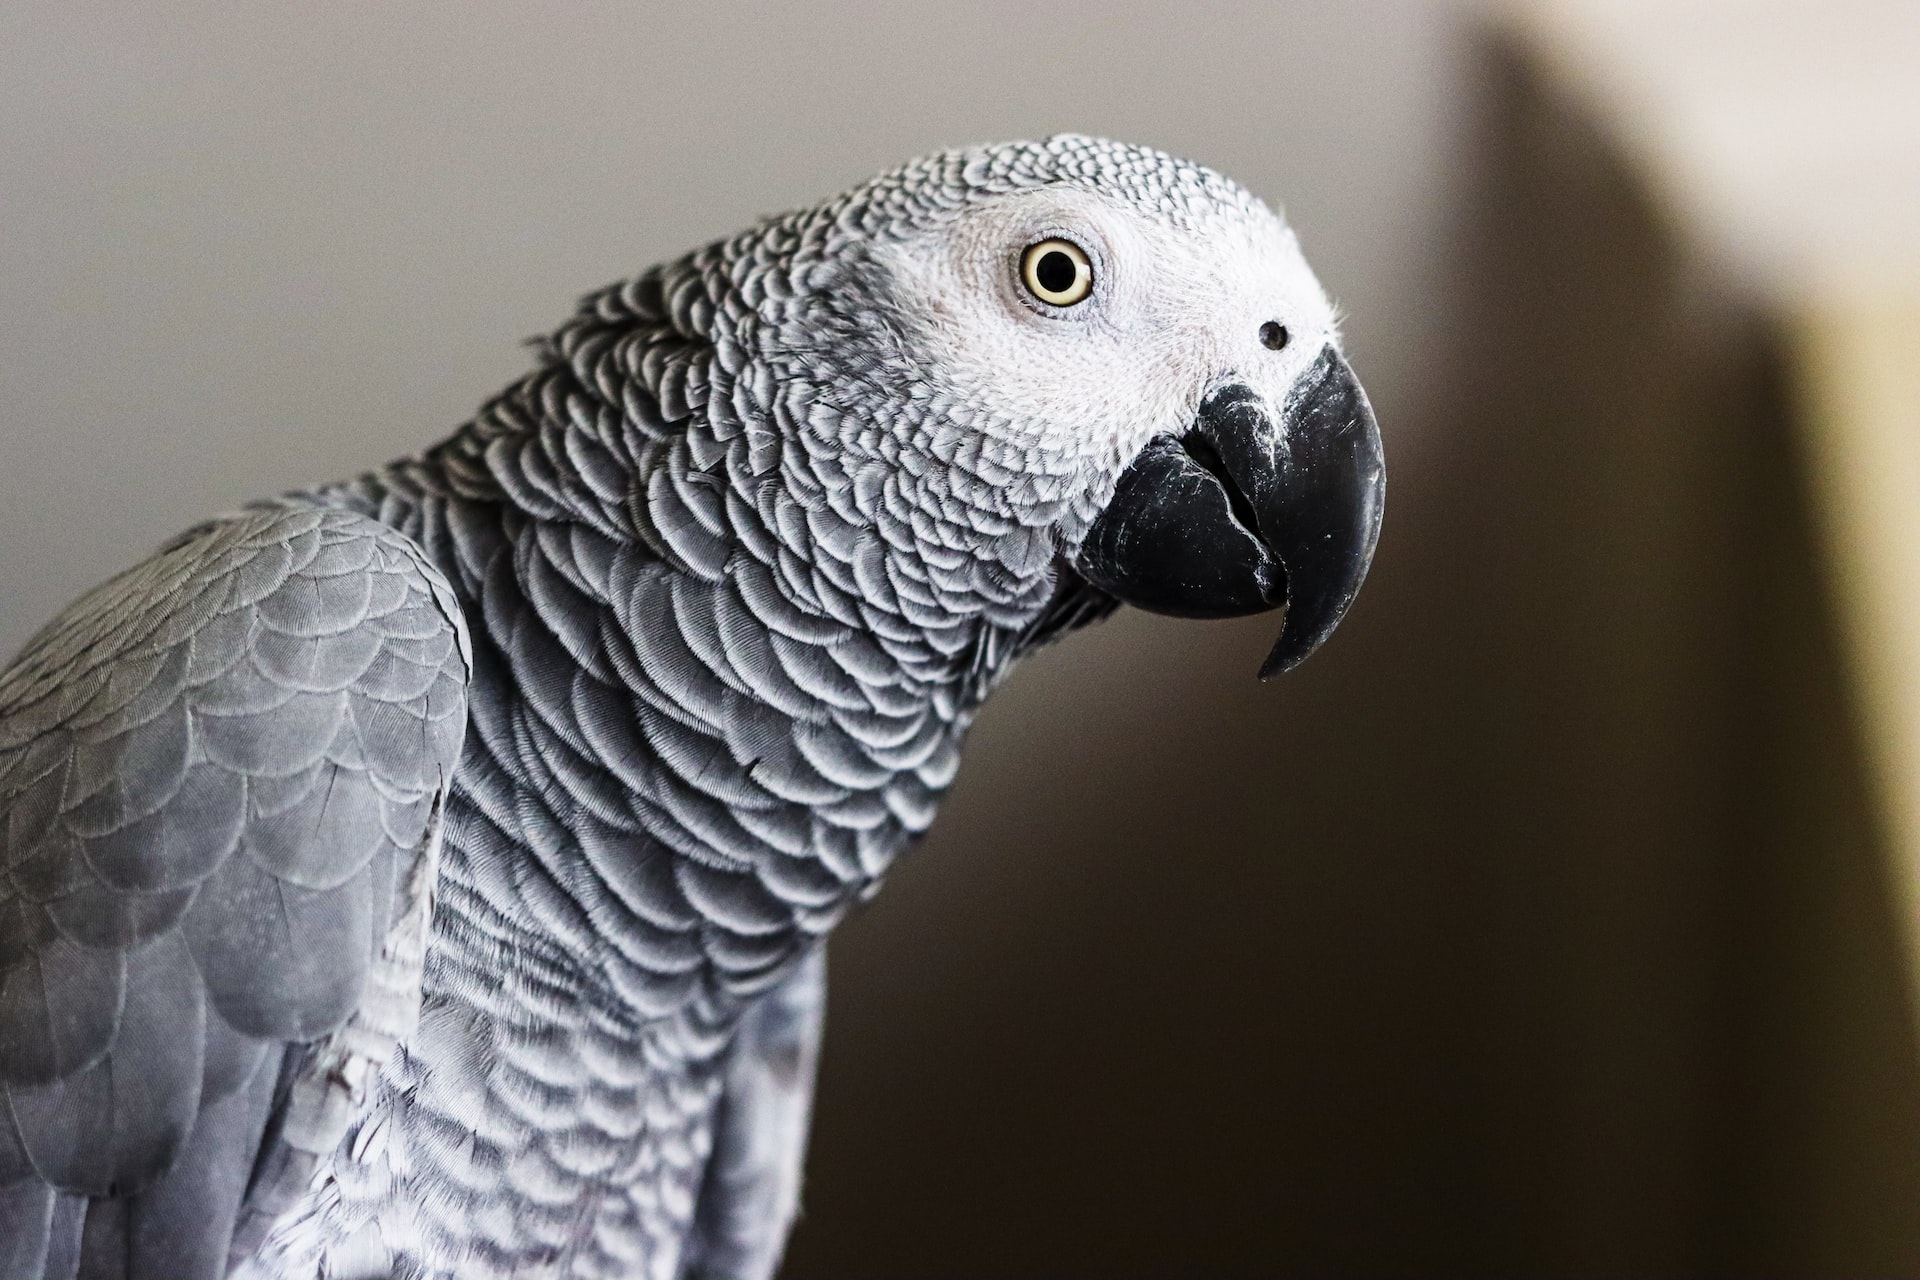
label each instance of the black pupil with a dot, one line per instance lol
(1055, 271)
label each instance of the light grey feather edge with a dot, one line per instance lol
(220, 780)
(751, 1193)
(330, 1086)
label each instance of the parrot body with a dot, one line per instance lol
(428, 875)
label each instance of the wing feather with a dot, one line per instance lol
(213, 771)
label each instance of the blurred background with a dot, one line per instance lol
(1553, 920)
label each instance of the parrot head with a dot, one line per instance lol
(1072, 362)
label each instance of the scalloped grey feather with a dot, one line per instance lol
(427, 875)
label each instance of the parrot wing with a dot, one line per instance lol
(751, 1192)
(220, 785)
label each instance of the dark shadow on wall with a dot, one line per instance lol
(1536, 926)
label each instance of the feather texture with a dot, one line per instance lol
(428, 874)
(195, 839)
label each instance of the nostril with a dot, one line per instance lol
(1273, 335)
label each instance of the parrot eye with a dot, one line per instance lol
(1057, 272)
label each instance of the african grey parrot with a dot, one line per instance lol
(428, 874)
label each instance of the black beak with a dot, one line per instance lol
(1245, 513)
